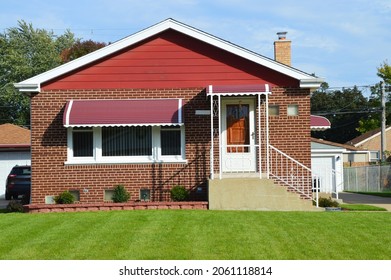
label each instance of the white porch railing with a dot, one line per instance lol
(292, 173)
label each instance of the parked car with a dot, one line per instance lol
(18, 182)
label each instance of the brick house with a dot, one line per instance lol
(170, 105)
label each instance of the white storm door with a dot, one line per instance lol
(238, 135)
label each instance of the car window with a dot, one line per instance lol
(22, 171)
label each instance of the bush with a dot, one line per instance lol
(64, 198)
(120, 194)
(15, 206)
(327, 202)
(179, 193)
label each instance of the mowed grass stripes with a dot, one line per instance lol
(196, 235)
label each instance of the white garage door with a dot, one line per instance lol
(323, 167)
(9, 160)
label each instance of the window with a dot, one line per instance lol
(127, 144)
(293, 110)
(274, 110)
(82, 139)
(127, 141)
(170, 141)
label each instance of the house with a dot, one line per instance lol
(172, 105)
(371, 142)
(14, 150)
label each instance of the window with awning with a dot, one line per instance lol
(124, 131)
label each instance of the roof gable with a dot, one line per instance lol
(34, 84)
(363, 138)
(167, 60)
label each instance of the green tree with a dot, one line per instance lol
(344, 108)
(26, 52)
(384, 72)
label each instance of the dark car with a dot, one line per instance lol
(18, 182)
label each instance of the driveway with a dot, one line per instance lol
(3, 202)
(354, 198)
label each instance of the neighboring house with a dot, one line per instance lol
(169, 105)
(14, 150)
(328, 160)
(371, 142)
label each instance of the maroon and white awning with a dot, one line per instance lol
(319, 123)
(224, 90)
(135, 112)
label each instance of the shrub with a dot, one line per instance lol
(120, 194)
(179, 193)
(64, 198)
(15, 206)
(327, 202)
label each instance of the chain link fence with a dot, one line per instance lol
(374, 178)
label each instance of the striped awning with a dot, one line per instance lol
(319, 123)
(135, 112)
(225, 90)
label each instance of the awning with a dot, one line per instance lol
(136, 112)
(226, 90)
(319, 123)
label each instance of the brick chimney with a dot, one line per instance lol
(282, 49)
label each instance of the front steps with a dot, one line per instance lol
(254, 194)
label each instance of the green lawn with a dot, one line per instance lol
(196, 235)
(382, 194)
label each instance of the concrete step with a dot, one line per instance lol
(254, 194)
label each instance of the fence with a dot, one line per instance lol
(375, 178)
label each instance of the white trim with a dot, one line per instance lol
(34, 84)
(179, 110)
(68, 113)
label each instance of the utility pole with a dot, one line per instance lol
(383, 122)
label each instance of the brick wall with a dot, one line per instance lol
(49, 146)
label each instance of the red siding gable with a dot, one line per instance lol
(169, 60)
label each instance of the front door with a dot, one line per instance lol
(238, 137)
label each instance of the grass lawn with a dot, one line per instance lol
(361, 207)
(382, 194)
(196, 235)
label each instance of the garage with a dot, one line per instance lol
(327, 164)
(14, 150)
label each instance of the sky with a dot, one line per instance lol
(343, 42)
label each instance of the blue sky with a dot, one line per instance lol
(341, 41)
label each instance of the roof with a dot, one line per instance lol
(13, 136)
(325, 142)
(319, 123)
(366, 137)
(34, 84)
(136, 112)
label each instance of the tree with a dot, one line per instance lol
(26, 52)
(344, 108)
(384, 72)
(79, 49)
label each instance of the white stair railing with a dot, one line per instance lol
(293, 174)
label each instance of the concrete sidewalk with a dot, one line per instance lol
(353, 198)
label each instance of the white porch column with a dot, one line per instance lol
(267, 136)
(211, 136)
(259, 137)
(220, 148)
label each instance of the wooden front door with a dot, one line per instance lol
(238, 151)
